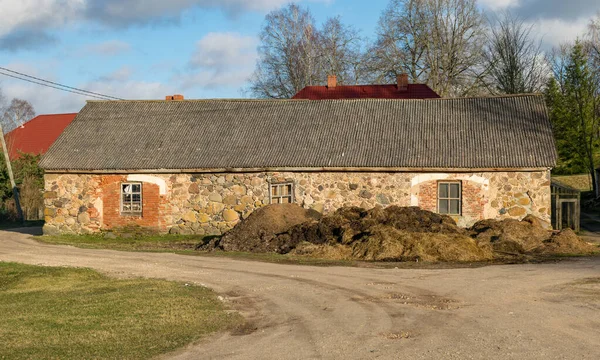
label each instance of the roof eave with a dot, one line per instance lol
(295, 169)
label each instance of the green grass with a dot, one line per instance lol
(185, 245)
(179, 244)
(169, 243)
(68, 313)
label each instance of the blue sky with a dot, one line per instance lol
(146, 49)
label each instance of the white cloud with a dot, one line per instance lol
(496, 5)
(120, 75)
(554, 32)
(108, 48)
(211, 80)
(38, 13)
(223, 50)
(24, 22)
(570, 10)
(221, 59)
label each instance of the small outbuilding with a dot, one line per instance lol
(199, 166)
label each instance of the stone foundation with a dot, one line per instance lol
(210, 204)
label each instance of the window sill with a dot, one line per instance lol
(131, 214)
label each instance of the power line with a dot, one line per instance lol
(54, 87)
(57, 85)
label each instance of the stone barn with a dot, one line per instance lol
(199, 166)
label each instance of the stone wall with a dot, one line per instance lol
(210, 204)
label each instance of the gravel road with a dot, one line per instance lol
(547, 311)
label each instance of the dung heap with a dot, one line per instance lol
(391, 234)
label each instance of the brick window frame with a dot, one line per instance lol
(281, 193)
(449, 198)
(130, 195)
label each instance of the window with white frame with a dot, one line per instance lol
(282, 193)
(450, 198)
(131, 198)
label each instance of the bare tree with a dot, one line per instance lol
(2, 102)
(455, 47)
(592, 46)
(400, 47)
(340, 52)
(436, 41)
(287, 54)
(593, 36)
(514, 61)
(17, 113)
(294, 53)
(558, 59)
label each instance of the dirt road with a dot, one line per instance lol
(549, 311)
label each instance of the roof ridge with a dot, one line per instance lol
(306, 100)
(339, 86)
(56, 114)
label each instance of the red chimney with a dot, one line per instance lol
(331, 81)
(403, 82)
(174, 98)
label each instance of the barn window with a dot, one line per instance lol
(282, 193)
(131, 198)
(450, 198)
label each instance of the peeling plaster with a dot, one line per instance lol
(162, 184)
(99, 205)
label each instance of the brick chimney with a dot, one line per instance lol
(403, 82)
(174, 98)
(331, 81)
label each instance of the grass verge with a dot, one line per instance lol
(185, 245)
(68, 313)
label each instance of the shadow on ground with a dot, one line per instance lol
(34, 230)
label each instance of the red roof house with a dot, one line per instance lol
(37, 135)
(401, 90)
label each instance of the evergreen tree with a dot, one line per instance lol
(573, 109)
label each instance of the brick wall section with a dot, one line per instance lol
(209, 204)
(473, 201)
(151, 205)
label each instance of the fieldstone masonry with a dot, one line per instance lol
(210, 204)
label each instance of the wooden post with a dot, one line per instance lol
(578, 213)
(13, 184)
(558, 210)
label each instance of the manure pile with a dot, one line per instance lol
(391, 234)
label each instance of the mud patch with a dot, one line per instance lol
(587, 286)
(246, 328)
(431, 302)
(427, 302)
(398, 335)
(584, 292)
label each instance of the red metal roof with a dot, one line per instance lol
(37, 135)
(414, 91)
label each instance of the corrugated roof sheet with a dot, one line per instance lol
(497, 132)
(414, 91)
(36, 135)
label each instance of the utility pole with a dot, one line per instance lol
(11, 176)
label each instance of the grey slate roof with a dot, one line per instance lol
(495, 132)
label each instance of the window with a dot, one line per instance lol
(131, 198)
(449, 198)
(282, 193)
